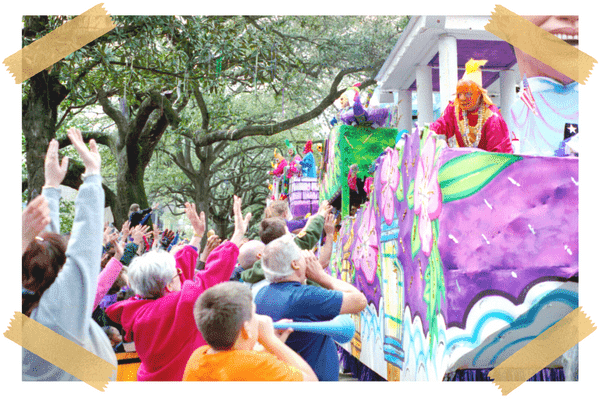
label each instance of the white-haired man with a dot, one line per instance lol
(286, 267)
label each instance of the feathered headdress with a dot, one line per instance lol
(474, 74)
(472, 71)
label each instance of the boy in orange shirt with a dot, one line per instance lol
(226, 317)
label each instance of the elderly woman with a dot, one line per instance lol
(60, 281)
(160, 318)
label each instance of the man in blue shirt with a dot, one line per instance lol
(287, 267)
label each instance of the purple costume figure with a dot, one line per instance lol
(359, 115)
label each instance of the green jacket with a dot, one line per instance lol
(305, 241)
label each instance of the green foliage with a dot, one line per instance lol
(67, 215)
(248, 71)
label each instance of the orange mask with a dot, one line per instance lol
(467, 94)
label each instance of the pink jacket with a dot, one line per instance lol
(107, 278)
(164, 330)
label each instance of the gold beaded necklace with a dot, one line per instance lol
(465, 128)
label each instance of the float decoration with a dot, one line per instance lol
(450, 244)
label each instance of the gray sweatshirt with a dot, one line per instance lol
(66, 307)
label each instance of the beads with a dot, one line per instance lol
(465, 129)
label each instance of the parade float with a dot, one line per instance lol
(464, 255)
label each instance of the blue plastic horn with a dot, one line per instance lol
(341, 328)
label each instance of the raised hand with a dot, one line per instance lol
(106, 235)
(167, 238)
(241, 223)
(313, 268)
(125, 229)
(34, 219)
(198, 222)
(53, 172)
(112, 237)
(118, 248)
(91, 158)
(212, 243)
(329, 226)
(138, 233)
(324, 208)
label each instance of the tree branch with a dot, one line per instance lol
(203, 108)
(269, 130)
(156, 71)
(99, 137)
(112, 112)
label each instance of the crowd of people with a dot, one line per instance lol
(191, 313)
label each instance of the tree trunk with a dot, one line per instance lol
(40, 110)
(130, 188)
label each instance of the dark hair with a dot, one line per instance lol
(119, 283)
(42, 261)
(107, 256)
(125, 294)
(221, 311)
(271, 229)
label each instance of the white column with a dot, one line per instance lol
(508, 83)
(404, 110)
(424, 95)
(448, 68)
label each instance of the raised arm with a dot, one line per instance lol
(54, 173)
(326, 250)
(212, 243)
(222, 260)
(74, 290)
(35, 218)
(109, 274)
(311, 233)
(198, 223)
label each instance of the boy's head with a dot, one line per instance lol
(221, 313)
(271, 229)
(134, 207)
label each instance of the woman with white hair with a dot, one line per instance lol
(160, 318)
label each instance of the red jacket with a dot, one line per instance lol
(494, 132)
(164, 330)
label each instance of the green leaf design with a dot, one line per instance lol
(415, 240)
(465, 175)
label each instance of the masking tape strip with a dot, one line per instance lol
(59, 43)
(540, 44)
(59, 351)
(541, 351)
